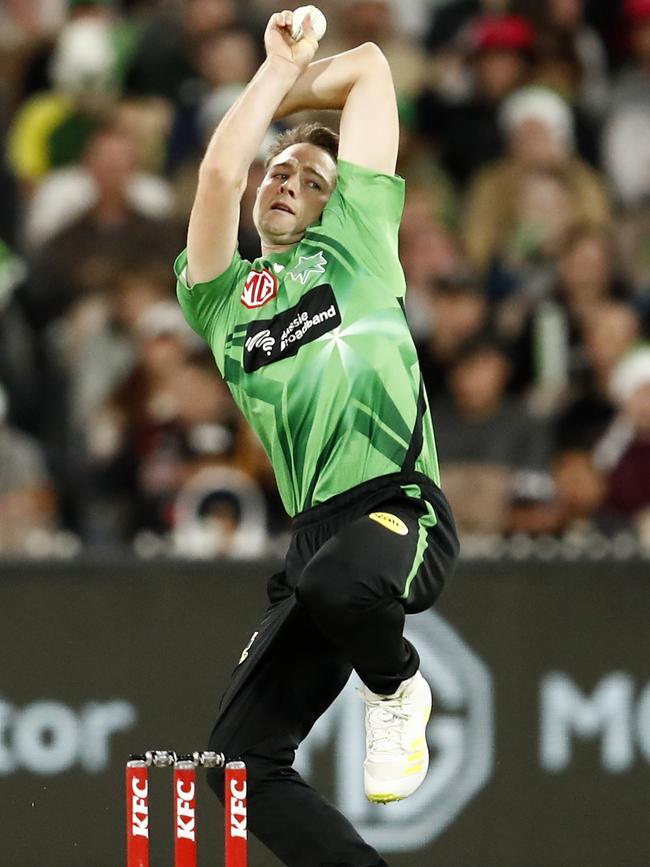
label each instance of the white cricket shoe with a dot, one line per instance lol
(397, 756)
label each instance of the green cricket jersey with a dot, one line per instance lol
(315, 348)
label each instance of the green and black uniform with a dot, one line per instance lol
(315, 348)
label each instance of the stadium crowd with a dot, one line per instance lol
(525, 243)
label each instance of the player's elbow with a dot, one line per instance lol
(217, 173)
(373, 57)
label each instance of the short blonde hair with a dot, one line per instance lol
(308, 133)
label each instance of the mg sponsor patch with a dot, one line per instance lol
(259, 289)
(270, 340)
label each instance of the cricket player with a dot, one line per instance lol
(312, 340)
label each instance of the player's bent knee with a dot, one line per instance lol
(322, 591)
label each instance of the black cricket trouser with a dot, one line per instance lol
(339, 605)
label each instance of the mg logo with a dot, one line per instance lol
(259, 289)
(460, 735)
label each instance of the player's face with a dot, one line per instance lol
(294, 192)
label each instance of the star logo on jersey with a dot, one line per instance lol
(308, 265)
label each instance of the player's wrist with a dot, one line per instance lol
(283, 69)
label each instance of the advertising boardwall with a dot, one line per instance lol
(539, 738)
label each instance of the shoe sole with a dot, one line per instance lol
(385, 799)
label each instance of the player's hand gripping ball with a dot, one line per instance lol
(318, 22)
(279, 38)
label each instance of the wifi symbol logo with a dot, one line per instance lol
(262, 340)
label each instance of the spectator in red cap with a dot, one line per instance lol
(637, 10)
(499, 48)
(562, 30)
(501, 32)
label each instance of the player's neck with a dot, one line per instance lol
(268, 249)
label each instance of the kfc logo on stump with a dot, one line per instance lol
(260, 288)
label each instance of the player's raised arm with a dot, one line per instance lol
(361, 84)
(212, 233)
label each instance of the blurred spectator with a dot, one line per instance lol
(148, 122)
(171, 413)
(609, 331)
(225, 61)
(631, 87)
(484, 437)
(587, 269)
(459, 312)
(162, 62)
(634, 243)
(624, 451)
(230, 56)
(8, 197)
(509, 212)
(26, 29)
(626, 152)
(579, 491)
(413, 15)
(220, 512)
(27, 502)
(545, 333)
(51, 128)
(533, 504)
(18, 368)
(562, 23)
(105, 348)
(109, 168)
(83, 259)
(73, 276)
(557, 68)
(429, 251)
(463, 121)
(626, 149)
(448, 18)
(353, 22)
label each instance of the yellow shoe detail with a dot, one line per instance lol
(384, 799)
(415, 757)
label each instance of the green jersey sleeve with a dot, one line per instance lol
(365, 211)
(205, 304)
